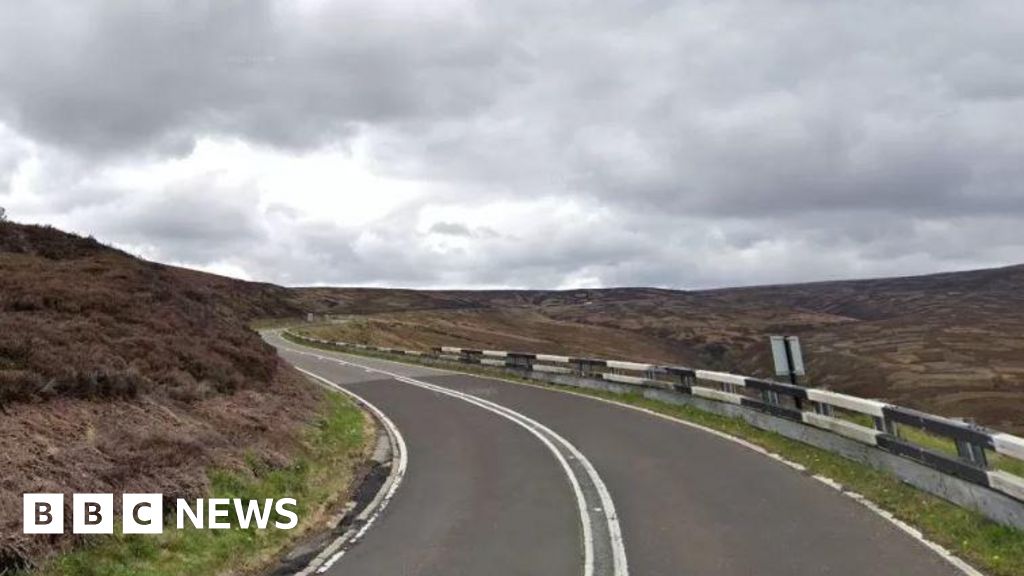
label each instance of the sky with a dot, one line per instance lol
(522, 143)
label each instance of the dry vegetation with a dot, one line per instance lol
(122, 375)
(947, 343)
(118, 375)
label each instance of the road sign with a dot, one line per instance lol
(789, 359)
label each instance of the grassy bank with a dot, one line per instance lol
(995, 549)
(335, 444)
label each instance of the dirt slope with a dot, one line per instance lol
(119, 375)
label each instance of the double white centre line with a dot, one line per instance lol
(603, 549)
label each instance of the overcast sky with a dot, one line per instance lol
(522, 143)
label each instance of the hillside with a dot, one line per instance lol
(119, 375)
(950, 343)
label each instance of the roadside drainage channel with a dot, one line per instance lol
(387, 467)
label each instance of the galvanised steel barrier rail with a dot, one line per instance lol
(871, 423)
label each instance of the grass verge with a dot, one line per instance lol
(995, 549)
(333, 447)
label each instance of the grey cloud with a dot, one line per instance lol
(718, 143)
(806, 108)
(458, 229)
(187, 223)
(10, 158)
(148, 76)
(283, 211)
(451, 229)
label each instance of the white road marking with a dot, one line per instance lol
(374, 508)
(588, 531)
(914, 533)
(619, 561)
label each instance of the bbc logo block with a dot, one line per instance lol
(144, 513)
(44, 513)
(93, 514)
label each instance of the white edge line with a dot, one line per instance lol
(381, 502)
(944, 553)
(916, 534)
(608, 507)
(588, 537)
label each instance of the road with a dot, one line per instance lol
(485, 494)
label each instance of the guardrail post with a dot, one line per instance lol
(687, 382)
(517, 363)
(528, 364)
(971, 452)
(579, 368)
(886, 426)
(823, 409)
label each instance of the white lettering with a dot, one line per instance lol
(252, 510)
(194, 516)
(283, 511)
(218, 508)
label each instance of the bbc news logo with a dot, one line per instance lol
(144, 513)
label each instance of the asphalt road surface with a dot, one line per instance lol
(491, 490)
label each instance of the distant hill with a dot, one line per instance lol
(120, 375)
(952, 343)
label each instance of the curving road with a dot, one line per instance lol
(486, 493)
